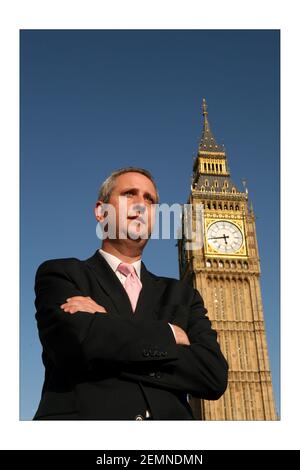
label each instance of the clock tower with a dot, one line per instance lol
(226, 271)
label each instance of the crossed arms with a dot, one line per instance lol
(88, 305)
(79, 330)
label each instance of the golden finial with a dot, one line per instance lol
(204, 107)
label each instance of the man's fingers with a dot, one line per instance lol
(180, 336)
(71, 310)
(79, 298)
(76, 297)
(69, 304)
(81, 304)
(100, 310)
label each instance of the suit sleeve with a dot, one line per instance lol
(82, 338)
(200, 369)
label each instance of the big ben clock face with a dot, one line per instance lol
(224, 237)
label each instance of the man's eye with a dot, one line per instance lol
(128, 193)
(149, 198)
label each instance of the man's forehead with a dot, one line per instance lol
(136, 180)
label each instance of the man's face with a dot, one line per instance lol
(133, 198)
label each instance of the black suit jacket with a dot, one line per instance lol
(117, 365)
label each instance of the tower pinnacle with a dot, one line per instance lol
(207, 142)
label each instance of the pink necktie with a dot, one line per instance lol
(132, 284)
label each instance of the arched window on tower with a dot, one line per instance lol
(240, 285)
(236, 309)
(205, 166)
(222, 299)
(215, 299)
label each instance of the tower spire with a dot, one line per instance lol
(207, 142)
(210, 168)
(205, 114)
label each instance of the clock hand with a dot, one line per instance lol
(223, 236)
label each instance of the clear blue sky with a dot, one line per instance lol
(94, 101)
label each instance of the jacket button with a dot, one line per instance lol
(158, 375)
(139, 418)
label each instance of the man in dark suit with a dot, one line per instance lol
(118, 341)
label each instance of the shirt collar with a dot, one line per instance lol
(114, 262)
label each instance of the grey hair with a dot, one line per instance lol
(109, 184)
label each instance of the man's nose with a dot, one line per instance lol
(138, 207)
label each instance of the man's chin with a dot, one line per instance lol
(137, 233)
(137, 238)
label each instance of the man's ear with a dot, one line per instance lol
(99, 211)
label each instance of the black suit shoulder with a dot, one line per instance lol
(59, 265)
(60, 274)
(57, 262)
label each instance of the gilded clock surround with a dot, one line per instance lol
(230, 286)
(209, 250)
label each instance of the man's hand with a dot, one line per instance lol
(180, 336)
(82, 304)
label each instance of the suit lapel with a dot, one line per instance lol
(150, 294)
(111, 285)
